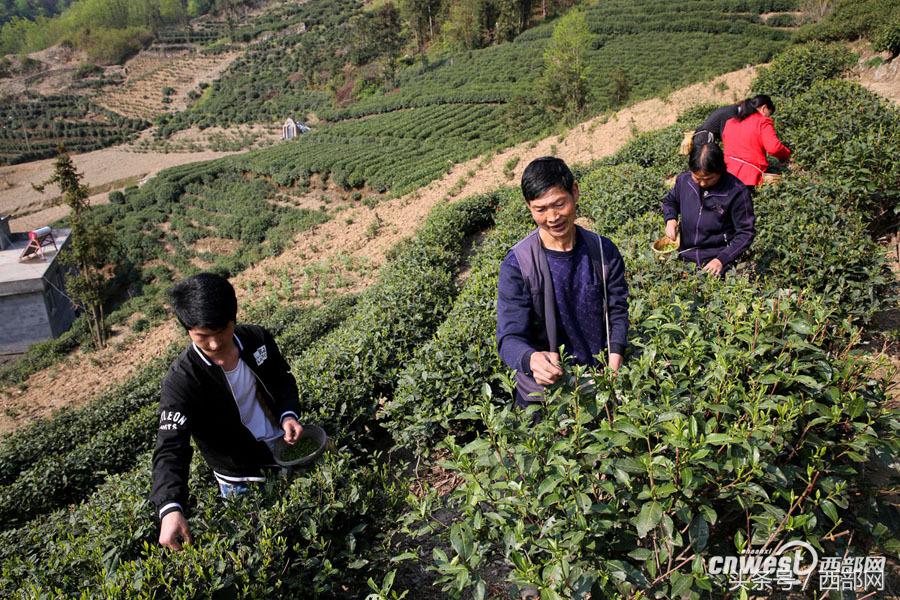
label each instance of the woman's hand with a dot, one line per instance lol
(714, 267)
(672, 229)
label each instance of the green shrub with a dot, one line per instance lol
(887, 37)
(656, 150)
(851, 20)
(116, 197)
(849, 137)
(785, 20)
(446, 374)
(795, 70)
(303, 537)
(730, 407)
(808, 239)
(612, 196)
(344, 374)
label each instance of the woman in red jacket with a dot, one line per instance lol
(749, 137)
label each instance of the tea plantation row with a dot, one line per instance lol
(35, 126)
(493, 91)
(743, 412)
(743, 415)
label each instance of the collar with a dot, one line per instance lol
(206, 361)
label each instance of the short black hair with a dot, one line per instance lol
(545, 173)
(708, 158)
(204, 300)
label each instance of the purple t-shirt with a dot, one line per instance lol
(579, 302)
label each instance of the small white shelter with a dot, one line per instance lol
(292, 129)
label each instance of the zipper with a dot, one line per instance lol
(697, 227)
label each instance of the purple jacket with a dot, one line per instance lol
(715, 223)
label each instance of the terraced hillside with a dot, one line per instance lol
(464, 104)
(35, 126)
(747, 413)
(156, 84)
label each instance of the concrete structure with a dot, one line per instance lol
(292, 129)
(32, 305)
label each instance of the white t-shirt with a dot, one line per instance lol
(243, 386)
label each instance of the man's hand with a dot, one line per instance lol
(672, 229)
(292, 430)
(713, 267)
(615, 361)
(545, 367)
(174, 531)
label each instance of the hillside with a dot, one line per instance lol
(752, 411)
(338, 242)
(747, 412)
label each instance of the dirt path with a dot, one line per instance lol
(356, 235)
(100, 167)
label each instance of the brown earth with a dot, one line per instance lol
(148, 74)
(356, 235)
(99, 167)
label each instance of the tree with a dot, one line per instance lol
(89, 250)
(420, 16)
(464, 28)
(564, 82)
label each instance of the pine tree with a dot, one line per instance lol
(88, 254)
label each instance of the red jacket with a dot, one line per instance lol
(746, 144)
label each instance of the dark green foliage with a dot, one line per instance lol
(612, 196)
(711, 434)
(116, 197)
(657, 150)
(798, 68)
(446, 374)
(313, 528)
(343, 375)
(850, 20)
(296, 327)
(785, 20)
(849, 136)
(887, 37)
(808, 236)
(35, 126)
(73, 427)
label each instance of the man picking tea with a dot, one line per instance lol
(560, 285)
(231, 390)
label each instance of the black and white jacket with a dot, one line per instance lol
(197, 401)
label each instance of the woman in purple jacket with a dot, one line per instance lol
(717, 221)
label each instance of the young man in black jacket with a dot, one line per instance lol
(231, 390)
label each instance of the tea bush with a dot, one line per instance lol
(35, 126)
(851, 20)
(611, 196)
(734, 404)
(314, 528)
(807, 238)
(657, 150)
(848, 136)
(445, 374)
(796, 69)
(72, 427)
(344, 374)
(61, 460)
